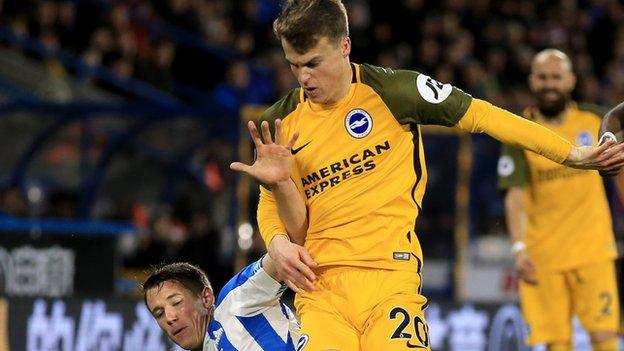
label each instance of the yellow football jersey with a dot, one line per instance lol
(359, 165)
(569, 223)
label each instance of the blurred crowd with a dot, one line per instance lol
(226, 50)
(483, 46)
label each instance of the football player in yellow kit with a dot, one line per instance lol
(559, 220)
(344, 177)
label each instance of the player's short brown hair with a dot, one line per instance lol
(189, 276)
(303, 22)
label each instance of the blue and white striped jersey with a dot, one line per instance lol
(249, 315)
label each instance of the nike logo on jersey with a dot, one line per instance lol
(294, 151)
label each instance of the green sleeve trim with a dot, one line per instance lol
(281, 109)
(513, 169)
(414, 98)
(598, 110)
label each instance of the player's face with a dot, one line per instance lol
(320, 70)
(184, 316)
(551, 82)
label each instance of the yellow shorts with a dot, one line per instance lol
(363, 309)
(588, 292)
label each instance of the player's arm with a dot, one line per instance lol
(612, 124)
(415, 98)
(515, 214)
(293, 263)
(512, 177)
(611, 129)
(282, 213)
(511, 129)
(253, 290)
(291, 209)
(272, 168)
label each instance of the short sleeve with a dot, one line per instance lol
(512, 168)
(415, 98)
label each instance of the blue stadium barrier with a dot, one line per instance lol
(142, 90)
(65, 226)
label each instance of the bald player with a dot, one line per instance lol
(559, 220)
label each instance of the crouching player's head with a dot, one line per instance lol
(180, 298)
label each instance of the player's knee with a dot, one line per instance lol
(559, 346)
(604, 340)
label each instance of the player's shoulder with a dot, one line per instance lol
(379, 77)
(392, 85)
(591, 110)
(283, 107)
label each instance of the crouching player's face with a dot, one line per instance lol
(180, 313)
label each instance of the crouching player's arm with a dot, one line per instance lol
(251, 301)
(255, 289)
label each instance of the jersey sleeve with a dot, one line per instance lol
(509, 128)
(415, 98)
(512, 168)
(250, 292)
(269, 222)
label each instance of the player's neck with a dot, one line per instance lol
(345, 84)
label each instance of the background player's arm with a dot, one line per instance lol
(514, 177)
(515, 215)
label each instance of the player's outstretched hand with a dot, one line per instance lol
(293, 263)
(607, 158)
(525, 268)
(273, 158)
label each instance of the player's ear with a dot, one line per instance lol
(345, 46)
(572, 83)
(207, 297)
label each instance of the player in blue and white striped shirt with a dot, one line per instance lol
(248, 314)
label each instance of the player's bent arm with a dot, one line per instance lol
(292, 260)
(252, 291)
(269, 266)
(514, 130)
(269, 222)
(613, 122)
(282, 211)
(291, 209)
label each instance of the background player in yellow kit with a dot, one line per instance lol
(347, 173)
(559, 220)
